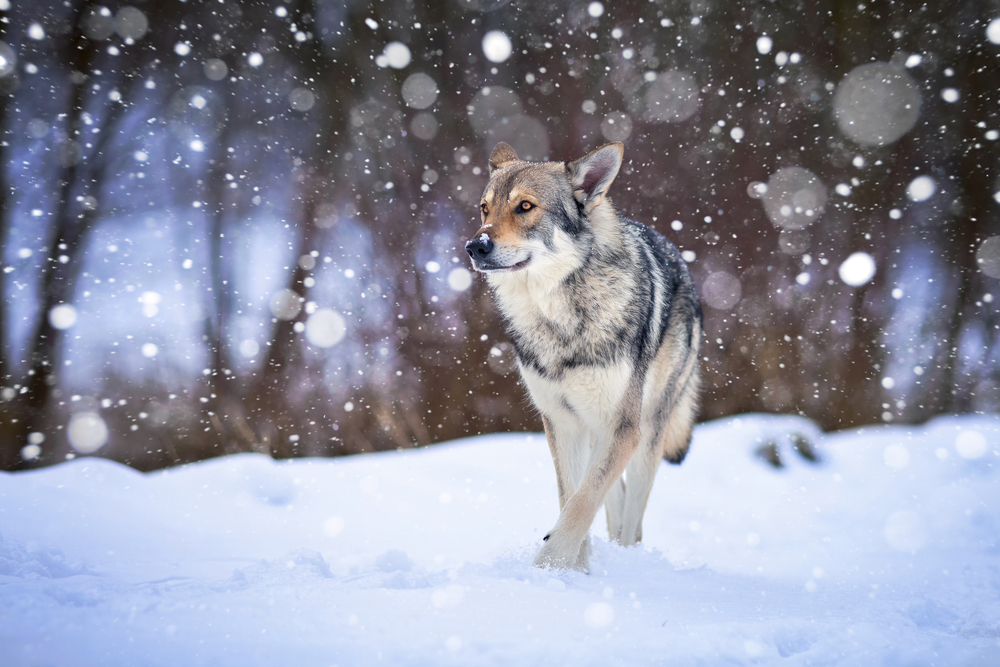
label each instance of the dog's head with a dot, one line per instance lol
(536, 216)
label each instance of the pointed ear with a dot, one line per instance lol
(501, 155)
(592, 175)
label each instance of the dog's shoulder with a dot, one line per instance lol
(677, 276)
(666, 253)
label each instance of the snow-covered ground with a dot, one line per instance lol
(886, 553)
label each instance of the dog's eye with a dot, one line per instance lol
(486, 209)
(526, 206)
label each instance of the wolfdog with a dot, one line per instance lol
(606, 323)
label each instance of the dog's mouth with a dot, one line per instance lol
(488, 268)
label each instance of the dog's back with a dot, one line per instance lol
(673, 383)
(673, 380)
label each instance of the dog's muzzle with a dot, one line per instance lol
(487, 258)
(479, 248)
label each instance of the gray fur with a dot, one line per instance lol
(606, 324)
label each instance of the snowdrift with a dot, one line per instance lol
(885, 552)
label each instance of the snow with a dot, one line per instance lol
(616, 126)
(62, 316)
(31, 452)
(971, 445)
(672, 97)
(857, 269)
(921, 188)
(397, 55)
(795, 197)
(215, 69)
(424, 557)
(285, 304)
(988, 257)
(131, 23)
(419, 91)
(8, 60)
(325, 328)
(756, 189)
(249, 348)
(993, 31)
(87, 432)
(150, 303)
(877, 103)
(460, 279)
(721, 290)
(950, 95)
(301, 99)
(497, 46)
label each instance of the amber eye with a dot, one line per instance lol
(526, 206)
(486, 209)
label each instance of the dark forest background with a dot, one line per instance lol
(255, 211)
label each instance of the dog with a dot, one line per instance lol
(606, 324)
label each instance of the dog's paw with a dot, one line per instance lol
(560, 555)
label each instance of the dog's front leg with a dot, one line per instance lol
(564, 545)
(569, 445)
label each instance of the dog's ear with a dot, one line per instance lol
(592, 175)
(501, 155)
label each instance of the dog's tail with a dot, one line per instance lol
(680, 424)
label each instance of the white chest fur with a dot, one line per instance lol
(592, 393)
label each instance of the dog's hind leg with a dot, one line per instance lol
(640, 472)
(583, 558)
(614, 507)
(669, 440)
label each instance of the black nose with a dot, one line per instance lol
(479, 246)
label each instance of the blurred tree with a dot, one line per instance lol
(84, 152)
(335, 152)
(8, 84)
